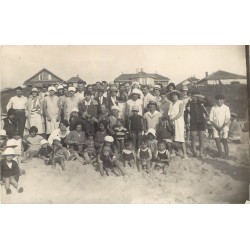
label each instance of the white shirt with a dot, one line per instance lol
(17, 102)
(55, 134)
(80, 95)
(220, 115)
(100, 99)
(131, 103)
(147, 98)
(152, 119)
(87, 103)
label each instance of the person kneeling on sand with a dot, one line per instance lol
(10, 170)
(103, 160)
(60, 154)
(161, 157)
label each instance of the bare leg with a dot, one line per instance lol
(183, 146)
(153, 166)
(118, 144)
(7, 182)
(62, 163)
(134, 139)
(101, 168)
(80, 159)
(139, 166)
(164, 168)
(116, 171)
(87, 158)
(132, 163)
(119, 166)
(13, 182)
(122, 144)
(148, 167)
(126, 164)
(53, 163)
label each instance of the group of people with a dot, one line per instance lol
(110, 126)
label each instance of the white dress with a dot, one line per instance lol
(179, 123)
(52, 106)
(36, 118)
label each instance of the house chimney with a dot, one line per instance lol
(141, 69)
(206, 73)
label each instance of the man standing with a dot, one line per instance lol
(147, 96)
(80, 88)
(101, 100)
(18, 103)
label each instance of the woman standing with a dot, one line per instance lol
(176, 114)
(34, 111)
(52, 110)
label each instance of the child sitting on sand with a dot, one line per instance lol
(45, 152)
(144, 156)
(33, 140)
(10, 170)
(128, 154)
(74, 118)
(3, 139)
(108, 158)
(161, 157)
(90, 149)
(60, 154)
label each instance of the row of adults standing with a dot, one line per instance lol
(46, 107)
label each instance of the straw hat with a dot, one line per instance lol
(72, 89)
(176, 92)
(184, 88)
(75, 110)
(9, 151)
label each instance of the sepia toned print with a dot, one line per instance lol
(124, 124)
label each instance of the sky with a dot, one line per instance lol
(97, 63)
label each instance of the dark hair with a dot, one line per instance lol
(219, 96)
(171, 84)
(161, 142)
(127, 143)
(144, 86)
(77, 124)
(102, 124)
(121, 120)
(87, 92)
(19, 88)
(64, 122)
(11, 111)
(33, 129)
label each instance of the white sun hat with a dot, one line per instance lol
(60, 87)
(72, 89)
(75, 110)
(109, 138)
(12, 143)
(43, 141)
(115, 107)
(9, 151)
(152, 131)
(52, 88)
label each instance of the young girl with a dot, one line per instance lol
(90, 149)
(107, 159)
(33, 140)
(165, 132)
(144, 156)
(152, 142)
(100, 135)
(128, 154)
(60, 154)
(161, 157)
(74, 118)
(10, 170)
(45, 152)
(120, 134)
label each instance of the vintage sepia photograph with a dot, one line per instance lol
(124, 124)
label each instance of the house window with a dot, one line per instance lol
(49, 76)
(40, 77)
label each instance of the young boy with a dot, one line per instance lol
(120, 134)
(45, 152)
(10, 170)
(128, 154)
(152, 142)
(161, 157)
(144, 156)
(74, 119)
(136, 126)
(90, 149)
(220, 117)
(3, 139)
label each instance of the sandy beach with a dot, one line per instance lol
(211, 180)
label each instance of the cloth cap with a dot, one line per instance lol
(9, 151)
(75, 110)
(101, 89)
(135, 108)
(52, 88)
(152, 103)
(184, 88)
(151, 131)
(43, 141)
(109, 138)
(72, 89)
(60, 87)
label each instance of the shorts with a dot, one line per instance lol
(197, 126)
(224, 134)
(168, 140)
(128, 157)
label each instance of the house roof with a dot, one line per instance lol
(189, 79)
(44, 69)
(222, 75)
(75, 79)
(128, 77)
